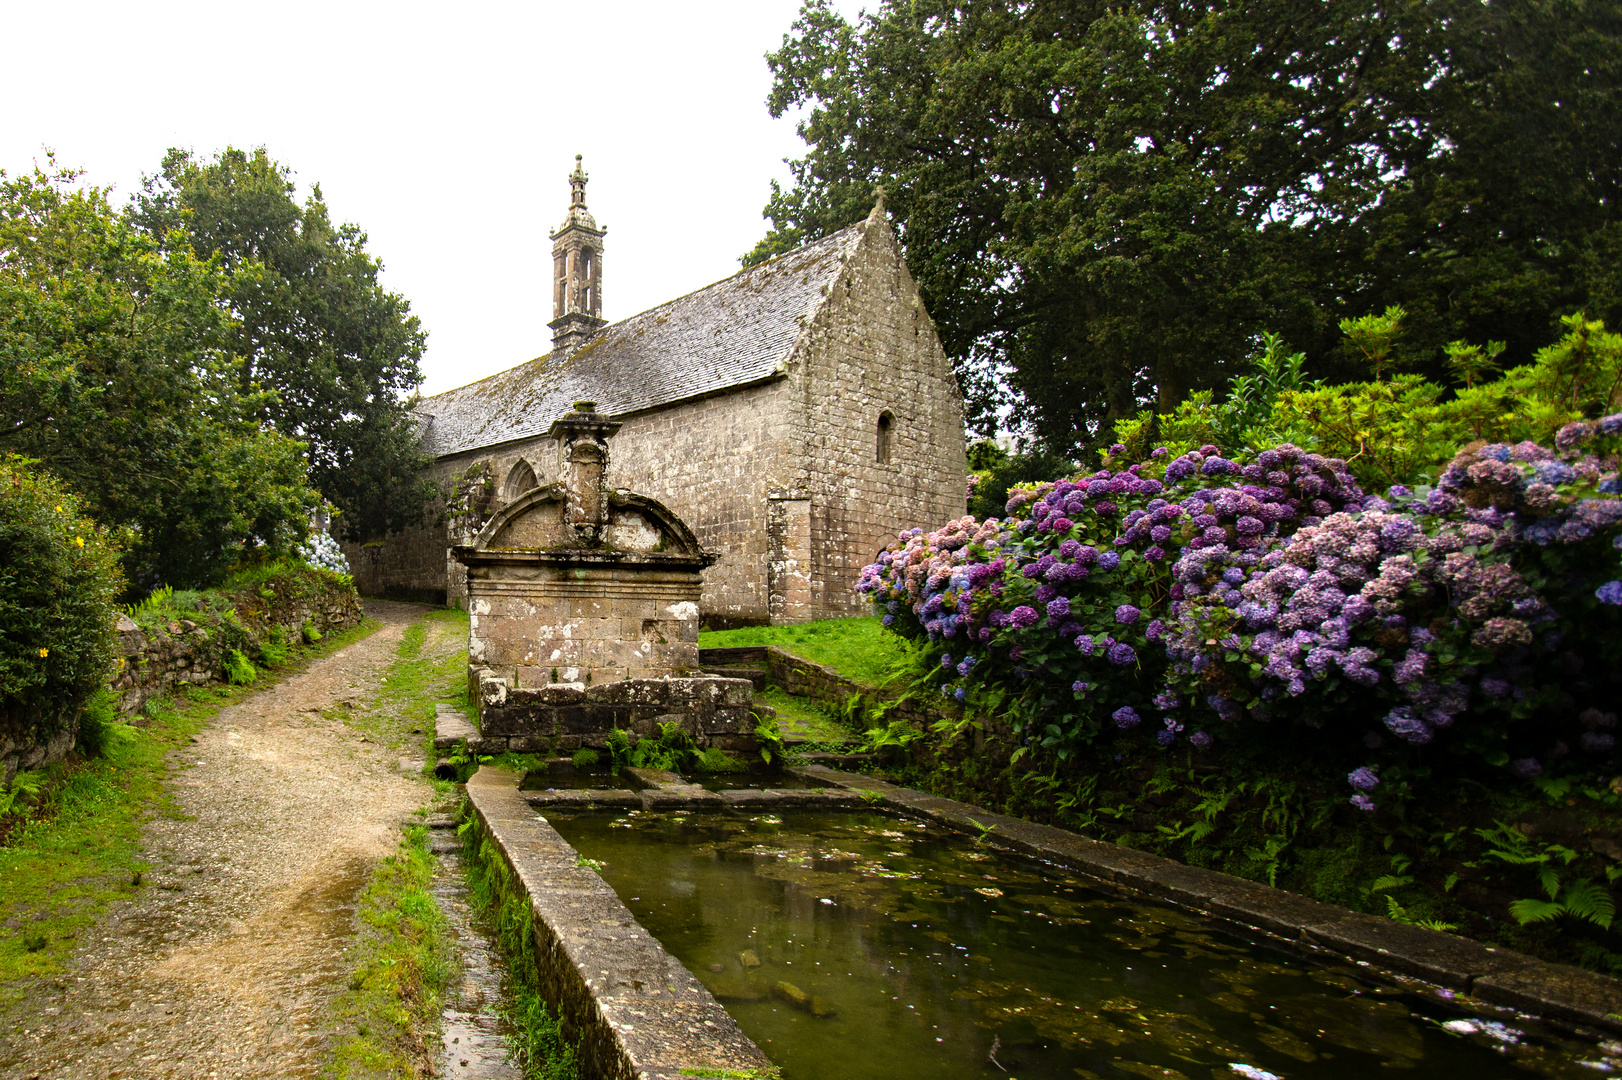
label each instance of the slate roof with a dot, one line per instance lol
(735, 332)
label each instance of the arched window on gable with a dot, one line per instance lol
(886, 436)
(519, 480)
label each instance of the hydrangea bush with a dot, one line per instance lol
(322, 552)
(1199, 597)
(1065, 597)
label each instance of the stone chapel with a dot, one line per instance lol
(795, 416)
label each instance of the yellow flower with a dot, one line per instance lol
(79, 540)
(58, 509)
(44, 653)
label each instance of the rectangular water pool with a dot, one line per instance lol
(862, 945)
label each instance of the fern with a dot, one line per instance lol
(1397, 913)
(1582, 899)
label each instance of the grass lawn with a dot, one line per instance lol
(860, 649)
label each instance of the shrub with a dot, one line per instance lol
(1054, 607)
(585, 758)
(1195, 596)
(59, 577)
(309, 633)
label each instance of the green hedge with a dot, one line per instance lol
(59, 577)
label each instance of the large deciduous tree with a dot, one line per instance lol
(1112, 202)
(316, 327)
(116, 374)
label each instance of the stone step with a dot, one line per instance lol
(451, 726)
(756, 676)
(746, 654)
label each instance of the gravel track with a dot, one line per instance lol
(226, 963)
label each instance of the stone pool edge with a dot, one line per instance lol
(1495, 975)
(636, 1011)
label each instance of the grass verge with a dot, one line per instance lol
(77, 853)
(860, 649)
(407, 958)
(538, 1045)
(804, 718)
(429, 669)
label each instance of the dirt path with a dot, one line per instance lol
(224, 967)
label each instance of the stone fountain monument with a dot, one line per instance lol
(583, 613)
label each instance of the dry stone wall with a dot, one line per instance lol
(159, 659)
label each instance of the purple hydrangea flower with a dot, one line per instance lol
(1085, 643)
(1023, 617)
(1363, 779)
(1362, 801)
(1059, 608)
(1121, 654)
(946, 660)
(1165, 738)
(1127, 614)
(1109, 560)
(1125, 717)
(1610, 592)
(1155, 554)
(1155, 630)
(1200, 739)
(1402, 722)
(1597, 742)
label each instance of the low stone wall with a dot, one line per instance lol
(564, 717)
(154, 662)
(634, 1010)
(803, 678)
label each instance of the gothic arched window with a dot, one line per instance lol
(886, 431)
(519, 480)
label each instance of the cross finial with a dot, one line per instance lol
(577, 184)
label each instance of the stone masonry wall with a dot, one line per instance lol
(713, 462)
(873, 350)
(155, 661)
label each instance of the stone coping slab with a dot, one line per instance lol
(1495, 975)
(683, 796)
(636, 1012)
(450, 727)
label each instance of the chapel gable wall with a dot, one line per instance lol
(873, 351)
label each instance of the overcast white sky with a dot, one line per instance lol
(446, 131)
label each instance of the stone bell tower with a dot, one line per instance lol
(577, 271)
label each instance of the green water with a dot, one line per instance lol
(738, 781)
(857, 945)
(569, 780)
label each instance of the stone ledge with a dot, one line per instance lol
(635, 1011)
(1496, 975)
(450, 727)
